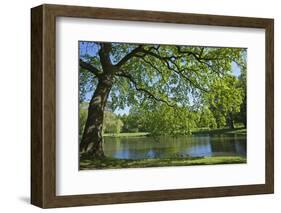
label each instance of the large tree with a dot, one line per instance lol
(131, 74)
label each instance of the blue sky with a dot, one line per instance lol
(86, 48)
(235, 70)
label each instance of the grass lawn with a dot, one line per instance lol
(126, 134)
(240, 131)
(110, 163)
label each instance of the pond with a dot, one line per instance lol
(175, 147)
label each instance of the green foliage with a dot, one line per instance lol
(165, 120)
(111, 123)
(224, 99)
(170, 89)
(241, 117)
(169, 73)
(87, 83)
(206, 119)
(131, 123)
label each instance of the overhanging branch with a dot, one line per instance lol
(144, 90)
(129, 56)
(89, 67)
(166, 61)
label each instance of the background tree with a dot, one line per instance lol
(131, 74)
(206, 118)
(112, 124)
(241, 117)
(166, 120)
(225, 99)
(133, 122)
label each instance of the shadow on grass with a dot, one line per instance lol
(111, 163)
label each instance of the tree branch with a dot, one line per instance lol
(140, 89)
(198, 56)
(149, 63)
(104, 54)
(170, 63)
(167, 61)
(180, 72)
(89, 67)
(129, 56)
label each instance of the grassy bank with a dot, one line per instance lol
(109, 163)
(240, 131)
(126, 134)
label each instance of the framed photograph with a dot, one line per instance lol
(136, 106)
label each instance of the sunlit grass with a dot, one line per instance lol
(239, 130)
(110, 163)
(126, 134)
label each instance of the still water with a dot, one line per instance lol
(168, 147)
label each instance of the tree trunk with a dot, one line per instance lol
(92, 141)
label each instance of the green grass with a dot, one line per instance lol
(126, 134)
(240, 130)
(110, 163)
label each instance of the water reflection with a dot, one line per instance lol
(167, 147)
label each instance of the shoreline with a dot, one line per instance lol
(239, 131)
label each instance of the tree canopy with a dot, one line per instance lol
(174, 75)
